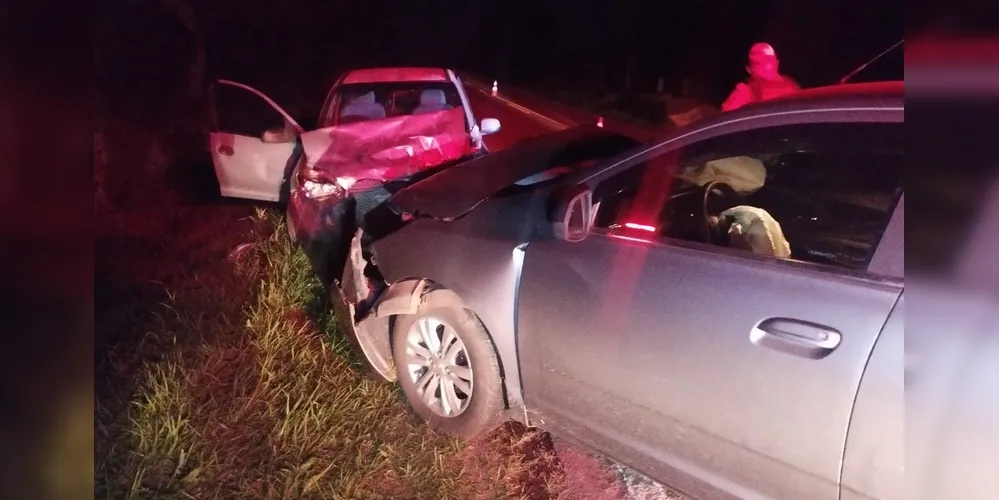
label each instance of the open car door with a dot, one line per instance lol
(254, 143)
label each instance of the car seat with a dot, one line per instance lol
(431, 101)
(363, 107)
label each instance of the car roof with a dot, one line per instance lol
(845, 95)
(862, 101)
(400, 74)
(896, 88)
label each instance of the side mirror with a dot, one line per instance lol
(571, 214)
(489, 126)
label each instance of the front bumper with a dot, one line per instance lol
(324, 227)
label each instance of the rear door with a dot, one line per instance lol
(254, 143)
(723, 373)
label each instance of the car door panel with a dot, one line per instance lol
(252, 169)
(651, 349)
(249, 166)
(874, 459)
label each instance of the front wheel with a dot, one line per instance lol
(447, 366)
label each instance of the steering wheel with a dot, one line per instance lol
(709, 188)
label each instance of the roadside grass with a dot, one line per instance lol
(249, 391)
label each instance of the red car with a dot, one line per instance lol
(378, 128)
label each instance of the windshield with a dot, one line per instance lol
(373, 101)
(388, 148)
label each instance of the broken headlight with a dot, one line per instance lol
(313, 189)
(319, 187)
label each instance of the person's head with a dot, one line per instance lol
(763, 61)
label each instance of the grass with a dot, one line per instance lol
(246, 389)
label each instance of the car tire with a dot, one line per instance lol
(483, 409)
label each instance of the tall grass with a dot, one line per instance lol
(266, 405)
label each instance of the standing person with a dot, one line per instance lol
(764, 82)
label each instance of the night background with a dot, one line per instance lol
(148, 54)
(557, 42)
(180, 274)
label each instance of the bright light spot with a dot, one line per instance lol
(518, 255)
(643, 227)
(627, 238)
(318, 189)
(346, 182)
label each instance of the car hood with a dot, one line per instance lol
(455, 191)
(389, 148)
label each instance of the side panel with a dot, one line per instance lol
(952, 349)
(482, 269)
(247, 167)
(874, 462)
(951, 392)
(649, 349)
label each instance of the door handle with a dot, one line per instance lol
(225, 151)
(796, 337)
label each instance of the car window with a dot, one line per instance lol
(828, 189)
(367, 101)
(242, 113)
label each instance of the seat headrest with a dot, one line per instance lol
(432, 97)
(366, 98)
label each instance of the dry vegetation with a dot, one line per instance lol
(218, 370)
(237, 385)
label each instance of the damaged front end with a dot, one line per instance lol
(366, 304)
(337, 207)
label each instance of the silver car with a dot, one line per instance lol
(720, 309)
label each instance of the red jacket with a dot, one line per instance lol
(757, 89)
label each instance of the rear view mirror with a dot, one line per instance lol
(489, 126)
(571, 214)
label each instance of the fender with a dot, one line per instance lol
(371, 333)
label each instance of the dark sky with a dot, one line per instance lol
(304, 44)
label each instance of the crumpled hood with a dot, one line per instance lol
(389, 148)
(455, 191)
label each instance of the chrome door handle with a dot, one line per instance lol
(796, 337)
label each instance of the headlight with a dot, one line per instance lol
(313, 189)
(320, 186)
